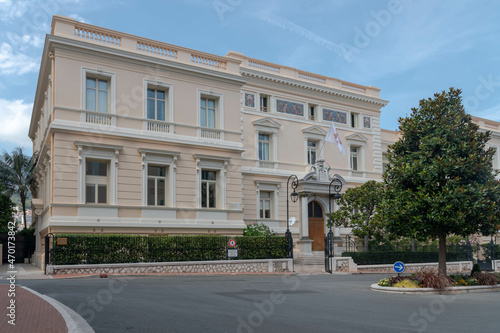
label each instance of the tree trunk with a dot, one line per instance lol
(367, 236)
(413, 245)
(23, 203)
(442, 255)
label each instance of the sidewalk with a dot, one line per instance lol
(23, 272)
(32, 311)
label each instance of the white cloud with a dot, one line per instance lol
(16, 116)
(78, 18)
(25, 41)
(11, 63)
(10, 9)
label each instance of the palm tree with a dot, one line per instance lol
(17, 174)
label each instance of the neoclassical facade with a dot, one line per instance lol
(139, 136)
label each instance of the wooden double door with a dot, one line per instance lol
(316, 226)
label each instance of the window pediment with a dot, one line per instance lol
(357, 137)
(315, 130)
(267, 122)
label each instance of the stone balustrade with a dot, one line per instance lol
(70, 28)
(231, 63)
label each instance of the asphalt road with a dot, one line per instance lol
(310, 303)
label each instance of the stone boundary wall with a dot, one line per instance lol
(219, 266)
(346, 264)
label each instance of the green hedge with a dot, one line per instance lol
(108, 249)
(376, 258)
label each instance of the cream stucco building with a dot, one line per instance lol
(138, 136)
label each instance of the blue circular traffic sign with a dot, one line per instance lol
(399, 267)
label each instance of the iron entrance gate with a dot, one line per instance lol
(329, 252)
(488, 256)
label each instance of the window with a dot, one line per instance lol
(266, 142)
(97, 173)
(156, 104)
(265, 205)
(97, 91)
(354, 158)
(495, 158)
(267, 200)
(207, 112)
(211, 182)
(264, 99)
(264, 147)
(311, 152)
(312, 111)
(96, 182)
(354, 120)
(385, 161)
(208, 189)
(157, 179)
(314, 210)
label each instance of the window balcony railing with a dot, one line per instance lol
(157, 126)
(267, 164)
(99, 118)
(211, 134)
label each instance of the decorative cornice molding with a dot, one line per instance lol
(300, 84)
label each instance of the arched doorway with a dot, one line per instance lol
(316, 226)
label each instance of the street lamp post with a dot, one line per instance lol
(294, 197)
(337, 187)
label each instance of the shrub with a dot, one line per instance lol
(463, 280)
(406, 283)
(486, 279)
(395, 279)
(384, 283)
(258, 230)
(107, 249)
(430, 279)
(27, 232)
(475, 269)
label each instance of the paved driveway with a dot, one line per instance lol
(317, 303)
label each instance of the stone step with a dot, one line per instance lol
(318, 258)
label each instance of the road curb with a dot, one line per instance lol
(432, 291)
(74, 322)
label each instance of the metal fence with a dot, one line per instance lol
(106, 249)
(390, 253)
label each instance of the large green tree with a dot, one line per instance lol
(5, 210)
(358, 207)
(440, 179)
(17, 174)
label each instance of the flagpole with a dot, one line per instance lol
(321, 151)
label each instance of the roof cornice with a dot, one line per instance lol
(292, 82)
(138, 59)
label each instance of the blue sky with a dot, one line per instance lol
(409, 49)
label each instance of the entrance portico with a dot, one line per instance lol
(314, 210)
